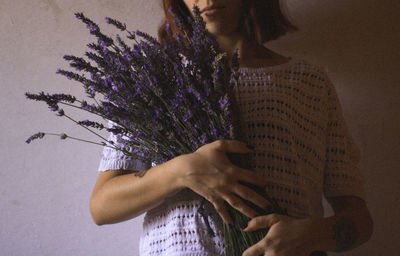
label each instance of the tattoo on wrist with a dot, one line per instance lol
(140, 173)
(346, 234)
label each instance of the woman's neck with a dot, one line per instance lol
(229, 44)
(250, 53)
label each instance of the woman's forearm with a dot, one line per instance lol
(126, 196)
(342, 232)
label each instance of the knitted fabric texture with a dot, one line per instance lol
(291, 114)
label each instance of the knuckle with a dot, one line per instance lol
(219, 144)
(275, 217)
(220, 186)
(224, 182)
(266, 242)
(230, 170)
(235, 203)
(256, 222)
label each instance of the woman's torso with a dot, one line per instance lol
(283, 114)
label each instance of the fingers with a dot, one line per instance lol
(252, 196)
(260, 222)
(234, 146)
(220, 207)
(239, 205)
(257, 249)
(250, 177)
(222, 198)
(218, 203)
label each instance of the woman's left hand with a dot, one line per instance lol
(287, 236)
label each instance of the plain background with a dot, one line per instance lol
(45, 186)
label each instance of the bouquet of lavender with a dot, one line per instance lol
(167, 98)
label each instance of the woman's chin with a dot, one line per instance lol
(218, 30)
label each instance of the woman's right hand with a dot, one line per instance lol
(209, 173)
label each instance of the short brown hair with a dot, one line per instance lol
(263, 20)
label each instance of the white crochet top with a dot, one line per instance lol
(292, 115)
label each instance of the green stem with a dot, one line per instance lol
(74, 138)
(85, 127)
(104, 117)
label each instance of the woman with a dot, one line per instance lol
(302, 150)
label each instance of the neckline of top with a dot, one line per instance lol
(267, 68)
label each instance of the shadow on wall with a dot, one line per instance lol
(345, 31)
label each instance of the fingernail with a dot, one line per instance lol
(250, 146)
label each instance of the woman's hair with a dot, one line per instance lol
(262, 20)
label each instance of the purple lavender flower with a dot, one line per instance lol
(35, 136)
(116, 23)
(60, 112)
(88, 123)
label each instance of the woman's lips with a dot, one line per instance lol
(213, 11)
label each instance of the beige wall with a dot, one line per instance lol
(45, 186)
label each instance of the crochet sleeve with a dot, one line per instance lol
(342, 175)
(116, 160)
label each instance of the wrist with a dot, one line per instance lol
(178, 168)
(315, 229)
(321, 234)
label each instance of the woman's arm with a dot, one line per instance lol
(120, 195)
(207, 171)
